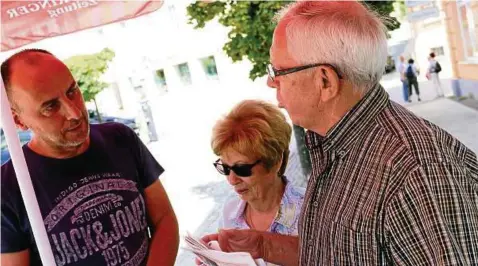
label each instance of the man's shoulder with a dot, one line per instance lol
(8, 172)
(112, 132)
(111, 128)
(419, 138)
(9, 184)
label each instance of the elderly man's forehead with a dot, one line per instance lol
(280, 31)
(280, 56)
(279, 37)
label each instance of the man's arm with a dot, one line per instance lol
(433, 219)
(21, 258)
(274, 248)
(164, 246)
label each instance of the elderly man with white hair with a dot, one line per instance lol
(387, 187)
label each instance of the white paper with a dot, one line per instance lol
(211, 254)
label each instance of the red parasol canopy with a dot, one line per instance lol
(24, 22)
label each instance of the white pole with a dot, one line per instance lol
(25, 182)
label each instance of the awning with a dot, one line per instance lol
(24, 22)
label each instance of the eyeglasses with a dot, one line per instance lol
(242, 170)
(273, 73)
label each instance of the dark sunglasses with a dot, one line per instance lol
(273, 73)
(242, 170)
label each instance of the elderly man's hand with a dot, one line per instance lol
(233, 240)
(274, 248)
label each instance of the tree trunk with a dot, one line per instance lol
(97, 111)
(299, 134)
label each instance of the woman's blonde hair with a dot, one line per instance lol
(256, 129)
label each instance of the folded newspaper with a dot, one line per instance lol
(211, 255)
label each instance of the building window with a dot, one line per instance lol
(468, 18)
(438, 51)
(209, 67)
(160, 79)
(184, 74)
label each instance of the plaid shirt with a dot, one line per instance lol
(388, 187)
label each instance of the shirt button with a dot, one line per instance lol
(310, 242)
(316, 204)
(341, 153)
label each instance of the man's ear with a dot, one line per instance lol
(18, 121)
(329, 83)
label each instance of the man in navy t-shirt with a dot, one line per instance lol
(97, 186)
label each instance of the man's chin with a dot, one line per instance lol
(78, 138)
(75, 142)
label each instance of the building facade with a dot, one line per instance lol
(462, 30)
(450, 30)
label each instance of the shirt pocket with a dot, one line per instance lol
(354, 244)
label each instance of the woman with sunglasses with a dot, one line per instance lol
(252, 143)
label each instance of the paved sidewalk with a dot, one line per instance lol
(197, 191)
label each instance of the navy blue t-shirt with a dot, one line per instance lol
(93, 205)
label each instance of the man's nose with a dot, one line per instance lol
(271, 83)
(71, 110)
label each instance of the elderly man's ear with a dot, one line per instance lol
(328, 82)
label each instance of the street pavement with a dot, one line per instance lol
(184, 121)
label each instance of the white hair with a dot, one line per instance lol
(344, 34)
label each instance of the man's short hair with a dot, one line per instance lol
(320, 32)
(411, 61)
(432, 55)
(7, 65)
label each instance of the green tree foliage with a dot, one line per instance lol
(88, 70)
(400, 9)
(251, 25)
